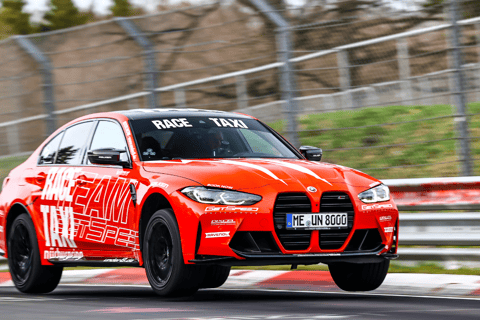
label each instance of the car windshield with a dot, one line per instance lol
(167, 138)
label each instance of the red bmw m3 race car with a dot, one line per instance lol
(187, 194)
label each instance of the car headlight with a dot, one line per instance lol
(378, 194)
(219, 196)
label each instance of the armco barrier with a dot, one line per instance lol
(432, 194)
(438, 229)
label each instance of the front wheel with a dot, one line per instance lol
(359, 277)
(28, 274)
(162, 254)
(215, 276)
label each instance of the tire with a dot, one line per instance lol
(28, 274)
(215, 276)
(359, 277)
(168, 275)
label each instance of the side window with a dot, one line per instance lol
(109, 135)
(73, 144)
(258, 143)
(50, 150)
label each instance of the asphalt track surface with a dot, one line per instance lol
(139, 302)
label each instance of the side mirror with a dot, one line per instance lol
(311, 153)
(106, 156)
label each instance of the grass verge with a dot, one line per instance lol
(411, 141)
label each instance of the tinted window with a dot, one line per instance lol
(206, 137)
(73, 144)
(109, 135)
(50, 150)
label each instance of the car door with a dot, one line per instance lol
(53, 203)
(106, 211)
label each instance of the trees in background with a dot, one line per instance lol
(122, 8)
(11, 14)
(470, 8)
(63, 14)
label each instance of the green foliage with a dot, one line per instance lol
(11, 15)
(63, 14)
(122, 8)
(469, 8)
(395, 137)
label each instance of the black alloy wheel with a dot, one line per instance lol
(28, 274)
(160, 253)
(166, 270)
(21, 254)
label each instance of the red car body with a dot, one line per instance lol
(94, 214)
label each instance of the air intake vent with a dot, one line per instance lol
(290, 203)
(365, 240)
(335, 202)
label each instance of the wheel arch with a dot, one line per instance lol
(16, 210)
(154, 202)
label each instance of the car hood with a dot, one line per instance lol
(244, 174)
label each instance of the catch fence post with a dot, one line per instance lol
(47, 80)
(287, 74)
(459, 93)
(150, 66)
(404, 70)
(344, 78)
(242, 93)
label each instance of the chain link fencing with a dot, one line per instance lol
(374, 85)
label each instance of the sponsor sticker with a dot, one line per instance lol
(377, 206)
(230, 209)
(385, 218)
(219, 186)
(62, 255)
(388, 229)
(217, 234)
(116, 260)
(1, 229)
(222, 222)
(2, 213)
(160, 184)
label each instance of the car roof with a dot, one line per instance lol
(140, 114)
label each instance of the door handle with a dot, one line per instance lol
(81, 180)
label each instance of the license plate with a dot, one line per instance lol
(317, 221)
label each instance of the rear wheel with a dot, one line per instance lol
(359, 277)
(215, 276)
(28, 275)
(162, 255)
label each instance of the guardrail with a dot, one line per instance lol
(438, 229)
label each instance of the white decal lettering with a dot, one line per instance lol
(158, 124)
(56, 235)
(186, 124)
(216, 121)
(177, 123)
(225, 123)
(62, 255)
(217, 234)
(377, 206)
(388, 229)
(168, 124)
(222, 222)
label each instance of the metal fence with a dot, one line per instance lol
(377, 88)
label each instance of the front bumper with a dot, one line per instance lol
(261, 259)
